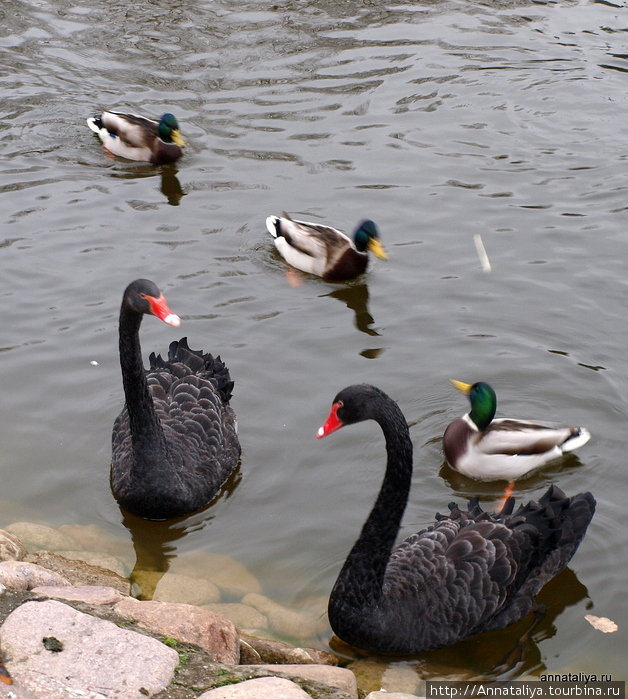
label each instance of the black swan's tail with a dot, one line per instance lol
(183, 361)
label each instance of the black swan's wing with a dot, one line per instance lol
(190, 392)
(473, 571)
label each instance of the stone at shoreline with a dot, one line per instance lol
(101, 560)
(278, 652)
(89, 594)
(231, 576)
(172, 587)
(89, 656)
(21, 575)
(337, 677)
(79, 572)
(186, 623)
(259, 688)
(11, 548)
(285, 621)
(242, 615)
(35, 537)
(91, 537)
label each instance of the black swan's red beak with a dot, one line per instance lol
(159, 308)
(332, 423)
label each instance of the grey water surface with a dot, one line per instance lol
(441, 120)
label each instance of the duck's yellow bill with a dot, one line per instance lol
(462, 386)
(177, 138)
(377, 249)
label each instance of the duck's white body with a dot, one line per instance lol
(508, 449)
(135, 137)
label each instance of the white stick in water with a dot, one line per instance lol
(479, 246)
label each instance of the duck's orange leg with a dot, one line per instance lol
(509, 490)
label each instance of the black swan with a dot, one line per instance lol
(175, 441)
(471, 571)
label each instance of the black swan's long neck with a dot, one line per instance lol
(361, 579)
(149, 445)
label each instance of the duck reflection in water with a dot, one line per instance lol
(356, 297)
(155, 542)
(170, 186)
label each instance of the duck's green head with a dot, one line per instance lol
(168, 130)
(483, 402)
(366, 237)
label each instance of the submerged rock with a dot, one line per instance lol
(35, 537)
(231, 576)
(91, 537)
(285, 621)
(92, 657)
(242, 615)
(172, 587)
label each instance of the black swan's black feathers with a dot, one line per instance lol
(469, 572)
(183, 445)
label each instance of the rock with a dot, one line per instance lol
(248, 654)
(38, 536)
(91, 537)
(242, 615)
(285, 621)
(12, 691)
(96, 658)
(186, 623)
(376, 675)
(21, 575)
(101, 560)
(90, 594)
(79, 572)
(232, 577)
(260, 688)
(172, 587)
(337, 677)
(11, 548)
(278, 652)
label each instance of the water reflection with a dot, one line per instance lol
(465, 487)
(155, 544)
(170, 186)
(356, 298)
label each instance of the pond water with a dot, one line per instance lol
(439, 120)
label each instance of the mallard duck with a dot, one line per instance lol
(325, 251)
(139, 138)
(485, 449)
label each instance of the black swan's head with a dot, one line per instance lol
(143, 296)
(353, 404)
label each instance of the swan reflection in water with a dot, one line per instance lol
(155, 542)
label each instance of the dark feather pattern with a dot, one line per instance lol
(175, 443)
(469, 572)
